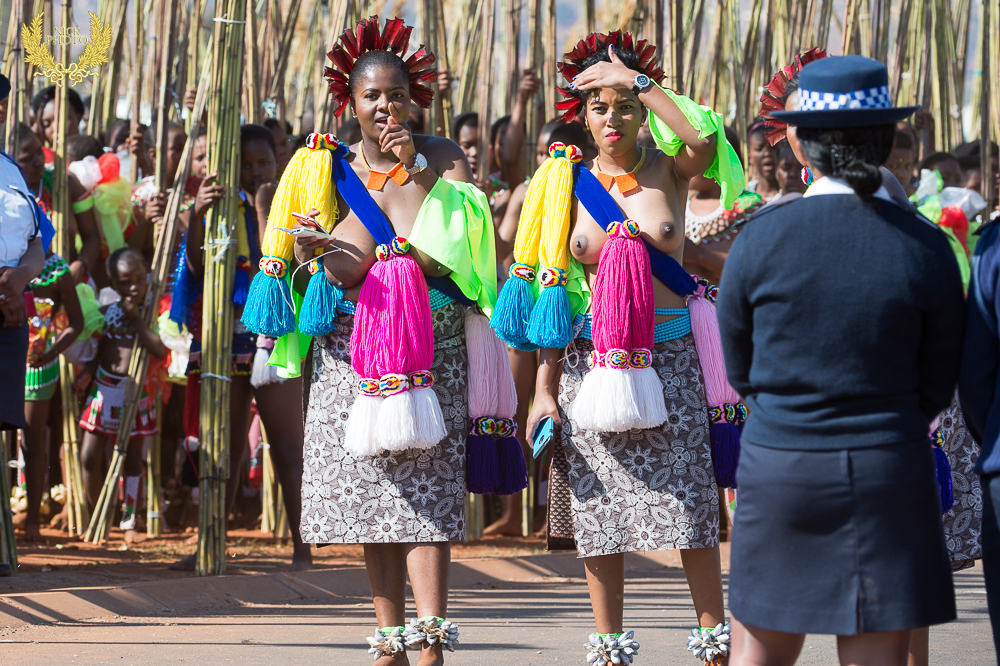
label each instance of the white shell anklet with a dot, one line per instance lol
(710, 645)
(612, 649)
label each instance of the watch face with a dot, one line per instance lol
(641, 81)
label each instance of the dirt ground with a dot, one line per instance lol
(70, 562)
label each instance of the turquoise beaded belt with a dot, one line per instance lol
(664, 331)
(438, 301)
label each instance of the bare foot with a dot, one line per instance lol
(506, 526)
(431, 656)
(134, 536)
(31, 534)
(19, 521)
(192, 540)
(302, 558)
(187, 564)
(395, 660)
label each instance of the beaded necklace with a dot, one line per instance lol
(55, 267)
(378, 179)
(627, 182)
(117, 325)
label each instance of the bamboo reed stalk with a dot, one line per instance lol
(253, 71)
(135, 88)
(990, 92)
(303, 79)
(154, 485)
(8, 544)
(267, 518)
(220, 266)
(165, 41)
(443, 98)
(486, 71)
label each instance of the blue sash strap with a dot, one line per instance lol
(360, 200)
(605, 210)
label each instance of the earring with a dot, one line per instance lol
(807, 176)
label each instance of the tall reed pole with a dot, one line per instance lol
(444, 64)
(136, 79)
(220, 267)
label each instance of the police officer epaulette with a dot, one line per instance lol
(766, 210)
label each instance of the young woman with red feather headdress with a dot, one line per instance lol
(633, 467)
(401, 378)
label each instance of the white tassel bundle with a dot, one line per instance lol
(607, 401)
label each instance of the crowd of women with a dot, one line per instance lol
(444, 326)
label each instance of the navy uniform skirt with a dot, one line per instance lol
(839, 542)
(13, 351)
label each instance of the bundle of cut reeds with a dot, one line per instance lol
(220, 267)
(139, 361)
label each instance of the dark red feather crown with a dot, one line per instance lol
(773, 98)
(599, 43)
(366, 36)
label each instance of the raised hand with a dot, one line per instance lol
(397, 137)
(208, 195)
(612, 74)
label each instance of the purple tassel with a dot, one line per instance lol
(942, 470)
(482, 468)
(725, 439)
(513, 468)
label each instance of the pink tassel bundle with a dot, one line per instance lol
(621, 391)
(726, 413)
(392, 350)
(495, 462)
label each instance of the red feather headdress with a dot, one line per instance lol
(773, 98)
(366, 36)
(599, 43)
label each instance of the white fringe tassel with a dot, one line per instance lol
(649, 395)
(428, 417)
(396, 423)
(606, 401)
(359, 434)
(262, 373)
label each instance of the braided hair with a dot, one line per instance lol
(853, 154)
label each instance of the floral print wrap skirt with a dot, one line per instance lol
(395, 496)
(639, 490)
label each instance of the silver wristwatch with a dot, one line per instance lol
(640, 83)
(419, 164)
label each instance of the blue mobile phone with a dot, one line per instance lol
(543, 434)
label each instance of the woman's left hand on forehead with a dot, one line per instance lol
(612, 74)
(397, 137)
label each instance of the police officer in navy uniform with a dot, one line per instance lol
(842, 317)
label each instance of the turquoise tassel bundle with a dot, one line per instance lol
(513, 309)
(268, 309)
(551, 322)
(319, 305)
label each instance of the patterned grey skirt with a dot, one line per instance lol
(639, 490)
(393, 497)
(963, 524)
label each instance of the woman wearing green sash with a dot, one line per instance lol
(398, 242)
(650, 431)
